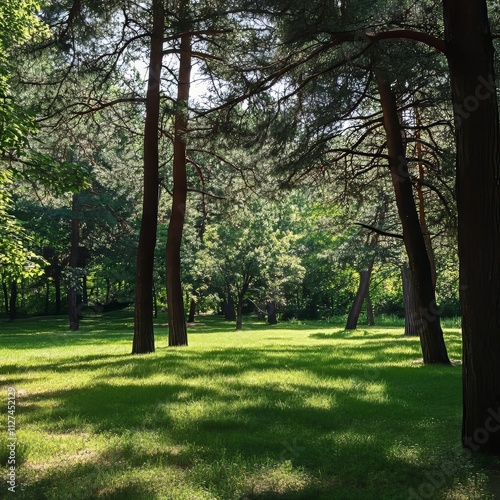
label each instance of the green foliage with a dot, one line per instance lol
(16, 260)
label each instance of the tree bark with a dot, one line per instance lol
(431, 334)
(421, 202)
(413, 319)
(74, 319)
(369, 309)
(364, 285)
(471, 61)
(5, 297)
(229, 309)
(192, 310)
(239, 314)
(239, 306)
(177, 331)
(144, 341)
(271, 313)
(13, 300)
(57, 288)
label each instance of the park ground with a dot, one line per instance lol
(292, 411)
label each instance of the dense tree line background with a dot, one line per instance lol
(294, 159)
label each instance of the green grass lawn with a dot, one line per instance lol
(298, 411)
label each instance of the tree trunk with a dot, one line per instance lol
(57, 288)
(177, 331)
(421, 201)
(85, 294)
(239, 314)
(13, 300)
(471, 61)
(5, 297)
(74, 319)
(413, 319)
(431, 335)
(369, 309)
(47, 298)
(271, 313)
(229, 309)
(144, 341)
(364, 285)
(192, 310)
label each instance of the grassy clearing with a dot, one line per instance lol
(302, 411)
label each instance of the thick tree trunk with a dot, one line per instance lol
(177, 331)
(74, 319)
(413, 319)
(144, 341)
(229, 309)
(431, 334)
(13, 300)
(364, 285)
(470, 57)
(271, 313)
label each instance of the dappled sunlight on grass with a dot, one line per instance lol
(291, 411)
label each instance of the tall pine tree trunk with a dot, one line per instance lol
(177, 331)
(74, 318)
(421, 201)
(144, 341)
(364, 285)
(413, 320)
(431, 334)
(471, 61)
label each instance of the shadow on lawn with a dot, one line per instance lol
(351, 417)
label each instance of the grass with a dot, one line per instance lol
(295, 411)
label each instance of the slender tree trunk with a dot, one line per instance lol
(108, 289)
(5, 297)
(13, 300)
(47, 297)
(369, 309)
(239, 306)
(85, 292)
(239, 314)
(431, 334)
(192, 310)
(74, 319)
(413, 319)
(364, 285)
(271, 313)
(177, 331)
(471, 61)
(144, 341)
(421, 202)
(57, 288)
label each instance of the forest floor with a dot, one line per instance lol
(292, 411)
